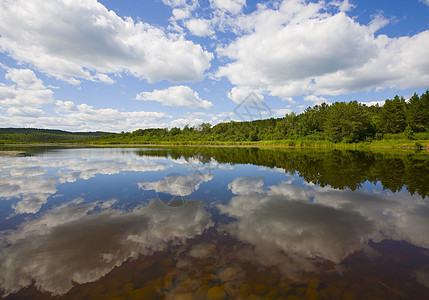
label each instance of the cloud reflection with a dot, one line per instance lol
(312, 222)
(34, 179)
(177, 185)
(80, 242)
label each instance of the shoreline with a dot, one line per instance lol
(418, 145)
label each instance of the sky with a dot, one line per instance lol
(116, 65)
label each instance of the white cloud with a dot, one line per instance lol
(378, 22)
(281, 112)
(182, 122)
(188, 4)
(246, 95)
(232, 6)
(176, 96)
(315, 100)
(82, 116)
(20, 106)
(343, 5)
(180, 14)
(26, 95)
(425, 1)
(372, 103)
(300, 48)
(200, 27)
(74, 40)
(25, 112)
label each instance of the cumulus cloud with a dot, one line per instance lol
(84, 117)
(299, 49)
(281, 112)
(189, 4)
(200, 27)
(373, 103)
(62, 235)
(180, 14)
(315, 99)
(85, 112)
(27, 102)
(25, 112)
(232, 6)
(246, 95)
(83, 40)
(26, 94)
(176, 96)
(182, 122)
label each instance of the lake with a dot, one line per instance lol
(213, 223)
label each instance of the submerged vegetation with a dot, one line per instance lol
(398, 123)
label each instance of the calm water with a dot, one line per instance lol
(214, 223)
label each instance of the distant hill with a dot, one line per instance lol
(26, 135)
(48, 131)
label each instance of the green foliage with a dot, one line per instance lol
(346, 122)
(34, 135)
(393, 115)
(341, 122)
(409, 133)
(418, 113)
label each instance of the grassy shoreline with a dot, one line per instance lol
(397, 144)
(387, 144)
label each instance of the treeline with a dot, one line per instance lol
(346, 122)
(339, 122)
(35, 135)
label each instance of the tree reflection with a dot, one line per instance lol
(339, 169)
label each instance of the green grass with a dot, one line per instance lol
(399, 144)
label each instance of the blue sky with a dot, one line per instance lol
(115, 65)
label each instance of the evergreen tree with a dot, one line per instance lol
(346, 122)
(418, 112)
(393, 115)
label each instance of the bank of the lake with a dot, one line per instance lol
(388, 144)
(393, 144)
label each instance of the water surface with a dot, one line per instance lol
(189, 223)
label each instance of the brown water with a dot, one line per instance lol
(172, 224)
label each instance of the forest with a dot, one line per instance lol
(34, 135)
(347, 122)
(340, 122)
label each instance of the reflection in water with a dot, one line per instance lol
(177, 185)
(72, 243)
(321, 222)
(336, 168)
(287, 222)
(257, 230)
(30, 180)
